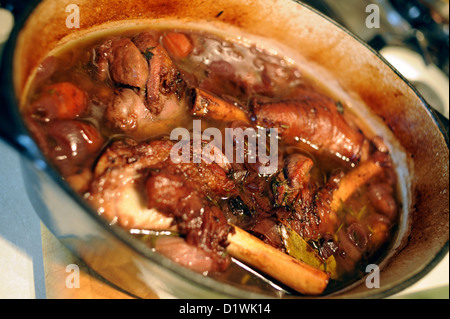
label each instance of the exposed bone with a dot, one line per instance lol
(117, 195)
(249, 250)
(286, 269)
(209, 105)
(353, 180)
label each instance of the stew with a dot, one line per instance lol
(109, 111)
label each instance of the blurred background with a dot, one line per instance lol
(413, 35)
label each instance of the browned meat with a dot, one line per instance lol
(268, 230)
(298, 167)
(292, 179)
(246, 155)
(313, 120)
(167, 191)
(322, 201)
(126, 112)
(302, 216)
(133, 156)
(164, 78)
(122, 61)
(127, 65)
(203, 225)
(129, 153)
(290, 196)
(116, 191)
(137, 185)
(256, 192)
(306, 208)
(210, 177)
(141, 63)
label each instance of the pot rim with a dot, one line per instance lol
(32, 152)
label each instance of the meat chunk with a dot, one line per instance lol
(117, 189)
(292, 178)
(120, 60)
(314, 212)
(309, 214)
(204, 226)
(289, 196)
(298, 167)
(211, 178)
(127, 65)
(268, 230)
(141, 63)
(164, 78)
(304, 205)
(128, 153)
(323, 209)
(167, 191)
(137, 185)
(126, 112)
(313, 120)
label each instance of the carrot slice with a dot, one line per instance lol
(178, 44)
(63, 101)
